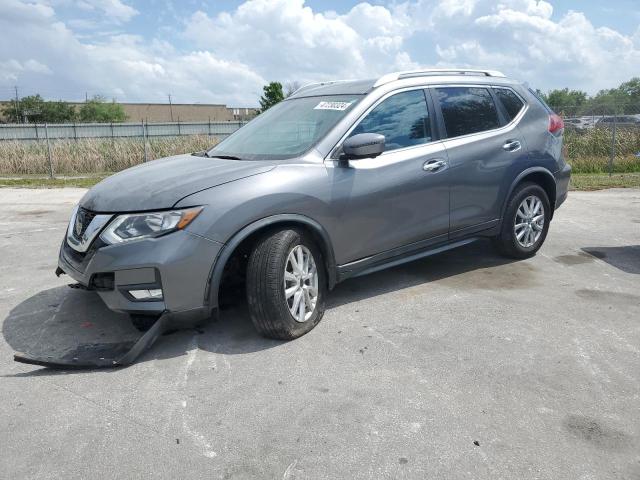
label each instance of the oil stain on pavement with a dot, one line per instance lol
(596, 433)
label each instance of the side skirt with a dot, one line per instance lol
(374, 264)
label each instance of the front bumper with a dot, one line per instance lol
(179, 263)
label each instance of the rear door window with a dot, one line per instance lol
(510, 101)
(467, 110)
(403, 119)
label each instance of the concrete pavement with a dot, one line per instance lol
(462, 365)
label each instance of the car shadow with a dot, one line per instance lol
(53, 322)
(57, 320)
(625, 258)
(475, 256)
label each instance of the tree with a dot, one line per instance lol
(631, 89)
(98, 109)
(566, 101)
(272, 95)
(624, 99)
(26, 109)
(58, 112)
(290, 88)
(34, 109)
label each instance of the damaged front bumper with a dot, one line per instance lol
(96, 355)
(151, 276)
(167, 277)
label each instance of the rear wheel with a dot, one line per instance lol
(525, 223)
(286, 285)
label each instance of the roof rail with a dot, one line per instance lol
(390, 77)
(316, 84)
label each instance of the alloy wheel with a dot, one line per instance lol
(529, 221)
(301, 283)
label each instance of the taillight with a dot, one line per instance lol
(555, 123)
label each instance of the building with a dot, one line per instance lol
(183, 112)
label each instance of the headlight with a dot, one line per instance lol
(135, 226)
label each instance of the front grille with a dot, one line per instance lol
(83, 219)
(80, 258)
(72, 255)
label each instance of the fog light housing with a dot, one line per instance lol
(147, 294)
(102, 281)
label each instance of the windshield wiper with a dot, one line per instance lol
(225, 157)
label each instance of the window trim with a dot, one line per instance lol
(502, 117)
(441, 115)
(435, 131)
(488, 86)
(499, 102)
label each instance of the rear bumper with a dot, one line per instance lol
(562, 177)
(179, 263)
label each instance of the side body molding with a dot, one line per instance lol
(322, 238)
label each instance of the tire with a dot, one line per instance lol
(269, 307)
(521, 245)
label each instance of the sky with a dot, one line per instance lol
(208, 51)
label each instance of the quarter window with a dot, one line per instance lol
(467, 110)
(510, 101)
(403, 119)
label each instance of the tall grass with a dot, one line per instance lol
(70, 157)
(587, 152)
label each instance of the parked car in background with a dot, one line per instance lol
(581, 123)
(622, 121)
(341, 179)
(578, 123)
(573, 122)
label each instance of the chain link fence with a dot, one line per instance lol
(76, 131)
(598, 139)
(603, 138)
(76, 149)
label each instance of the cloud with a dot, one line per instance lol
(49, 58)
(226, 57)
(287, 40)
(12, 68)
(114, 10)
(284, 39)
(570, 52)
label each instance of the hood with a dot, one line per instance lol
(160, 184)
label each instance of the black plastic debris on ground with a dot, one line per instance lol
(99, 355)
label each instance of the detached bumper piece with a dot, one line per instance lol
(101, 355)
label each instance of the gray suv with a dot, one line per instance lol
(341, 179)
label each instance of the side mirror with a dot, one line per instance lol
(362, 145)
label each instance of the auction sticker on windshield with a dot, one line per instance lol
(340, 106)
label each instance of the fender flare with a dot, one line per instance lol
(519, 178)
(217, 269)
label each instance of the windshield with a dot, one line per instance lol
(287, 129)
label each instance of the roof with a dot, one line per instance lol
(361, 87)
(336, 87)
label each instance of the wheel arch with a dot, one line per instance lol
(254, 230)
(540, 176)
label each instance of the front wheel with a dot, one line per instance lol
(525, 223)
(286, 285)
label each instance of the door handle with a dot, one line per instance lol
(434, 165)
(512, 145)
